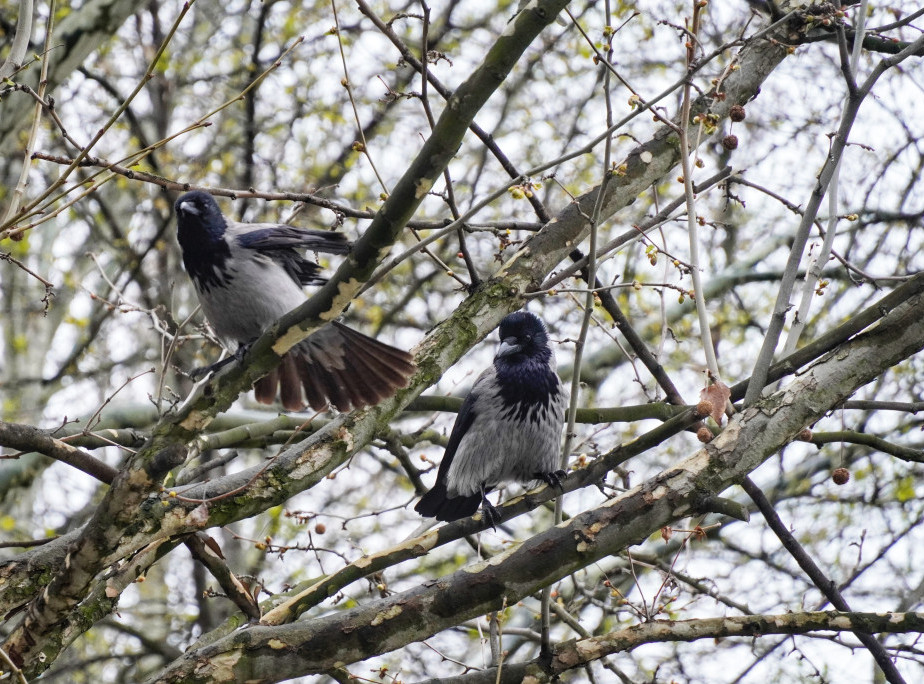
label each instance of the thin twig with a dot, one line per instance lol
(20, 190)
(348, 85)
(692, 226)
(827, 586)
(11, 218)
(849, 67)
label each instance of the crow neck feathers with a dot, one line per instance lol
(201, 234)
(525, 385)
(525, 377)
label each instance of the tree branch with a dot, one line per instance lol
(579, 652)
(28, 438)
(819, 579)
(752, 436)
(905, 453)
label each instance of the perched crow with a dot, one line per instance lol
(509, 427)
(247, 275)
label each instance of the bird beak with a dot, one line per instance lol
(508, 346)
(189, 207)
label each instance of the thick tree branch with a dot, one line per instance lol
(751, 437)
(27, 438)
(905, 453)
(579, 652)
(872, 43)
(591, 415)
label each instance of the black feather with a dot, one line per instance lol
(436, 503)
(514, 415)
(282, 243)
(200, 232)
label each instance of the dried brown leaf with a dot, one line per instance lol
(718, 394)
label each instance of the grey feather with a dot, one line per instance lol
(248, 275)
(500, 448)
(509, 426)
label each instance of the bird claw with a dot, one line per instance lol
(490, 513)
(553, 479)
(199, 372)
(242, 349)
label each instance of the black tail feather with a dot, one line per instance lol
(337, 366)
(395, 362)
(290, 385)
(264, 389)
(333, 388)
(313, 390)
(436, 504)
(378, 383)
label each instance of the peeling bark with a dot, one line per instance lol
(579, 652)
(132, 518)
(381, 626)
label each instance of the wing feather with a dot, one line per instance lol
(269, 236)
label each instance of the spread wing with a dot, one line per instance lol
(270, 236)
(284, 245)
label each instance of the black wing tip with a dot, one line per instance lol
(377, 370)
(334, 242)
(281, 237)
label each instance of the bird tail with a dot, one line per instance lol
(337, 366)
(436, 504)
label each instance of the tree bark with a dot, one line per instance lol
(751, 437)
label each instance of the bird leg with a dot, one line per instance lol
(491, 514)
(552, 479)
(197, 374)
(200, 372)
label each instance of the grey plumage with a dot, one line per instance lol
(247, 275)
(509, 427)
